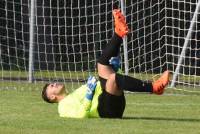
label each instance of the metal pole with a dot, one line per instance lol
(187, 39)
(31, 37)
(126, 65)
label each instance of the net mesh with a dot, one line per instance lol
(70, 35)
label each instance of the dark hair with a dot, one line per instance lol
(44, 94)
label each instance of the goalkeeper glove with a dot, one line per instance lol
(91, 85)
(115, 63)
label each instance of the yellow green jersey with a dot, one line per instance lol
(75, 105)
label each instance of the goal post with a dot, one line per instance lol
(126, 64)
(31, 37)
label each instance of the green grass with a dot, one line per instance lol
(24, 112)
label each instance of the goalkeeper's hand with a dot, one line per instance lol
(91, 85)
(115, 63)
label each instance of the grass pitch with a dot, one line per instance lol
(24, 112)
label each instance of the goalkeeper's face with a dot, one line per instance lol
(54, 90)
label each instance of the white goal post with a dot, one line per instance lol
(60, 40)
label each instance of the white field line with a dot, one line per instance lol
(190, 91)
(161, 104)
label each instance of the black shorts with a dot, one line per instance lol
(110, 106)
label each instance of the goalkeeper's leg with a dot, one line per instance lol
(120, 82)
(115, 82)
(113, 47)
(111, 105)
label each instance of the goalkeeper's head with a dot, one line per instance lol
(53, 92)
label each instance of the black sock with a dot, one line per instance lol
(132, 84)
(111, 50)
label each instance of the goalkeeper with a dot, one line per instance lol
(104, 98)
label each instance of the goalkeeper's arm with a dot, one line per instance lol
(86, 105)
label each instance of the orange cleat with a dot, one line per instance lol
(160, 84)
(121, 27)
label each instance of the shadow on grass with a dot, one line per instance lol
(162, 119)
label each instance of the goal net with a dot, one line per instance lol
(69, 36)
(159, 32)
